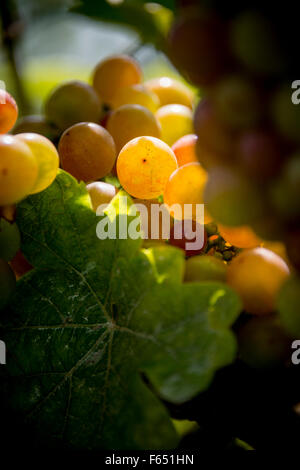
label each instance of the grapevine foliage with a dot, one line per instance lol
(95, 318)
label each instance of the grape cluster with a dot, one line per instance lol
(150, 139)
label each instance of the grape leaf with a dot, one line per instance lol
(96, 318)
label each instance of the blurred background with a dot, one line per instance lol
(44, 42)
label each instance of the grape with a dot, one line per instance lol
(214, 141)
(7, 283)
(130, 121)
(73, 102)
(170, 91)
(38, 125)
(237, 102)
(8, 112)
(47, 159)
(230, 198)
(185, 149)
(144, 166)
(114, 73)
(279, 248)
(263, 342)
(288, 301)
(18, 169)
(204, 268)
(189, 236)
(136, 94)
(241, 237)
(176, 121)
(259, 154)
(257, 275)
(255, 45)
(101, 193)
(197, 46)
(9, 239)
(8, 212)
(186, 186)
(87, 151)
(20, 265)
(155, 219)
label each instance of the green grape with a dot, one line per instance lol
(255, 45)
(204, 268)
(7, 283)
(38, 125)
(176, 120)
(73, 102)
(114, 73)
(285, 114)
(263, 342)
(87, 151)
(231, 199)
(10, 239)
(237, 102)
(288, 301)
(130, 121)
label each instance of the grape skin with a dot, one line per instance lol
(176, 121)
(144, 166)
(46, 157)
(114, 73)
(204, 268)
(257, 275)
(170, 91)
(87, 151)
(8, 112)
(136, 94)
(101, 193)
(130, 121)
(185, 149)
(18, 170)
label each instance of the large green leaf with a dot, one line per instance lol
(96, 317)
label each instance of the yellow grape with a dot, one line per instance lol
(241, 237)
(114, 73)
(144, 166)
(130, 121)
(186, 186)
(185, 149)
(257, 275)
(204, 268)
(176, 120)
(136, 94)
(18, 170)
(101, 193)
(87, 151)
(170, 91)
(47, 159)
